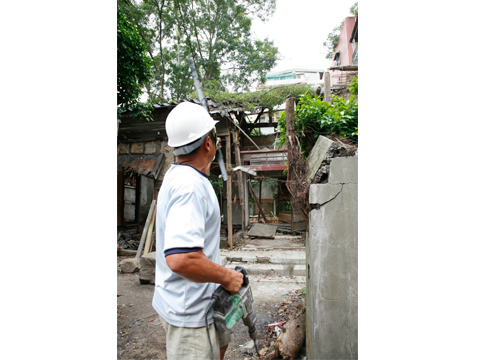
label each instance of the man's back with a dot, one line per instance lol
(188, 217)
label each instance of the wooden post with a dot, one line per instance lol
(256, 201)
(145, 230)
(260, 197)
(228, 165)
(247, 204)
(240, 178)
(290, 119)
(326, 80)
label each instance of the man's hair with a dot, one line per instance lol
(211, 134)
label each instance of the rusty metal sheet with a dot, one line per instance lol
(263, 230)
(148, 165)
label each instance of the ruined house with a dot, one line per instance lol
(144, 157)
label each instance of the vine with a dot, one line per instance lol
(314, 117)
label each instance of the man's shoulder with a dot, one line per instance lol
(184, 180)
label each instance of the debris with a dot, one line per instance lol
(277, 331)
(271, 356)
(291, 340)
(263, 351)
(130, 265)
(277, 323)
(248, 347)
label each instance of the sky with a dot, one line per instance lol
(299, 30)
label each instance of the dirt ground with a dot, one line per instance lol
(140, 334)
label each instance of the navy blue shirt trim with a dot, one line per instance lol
(193, 169)
(181, 250)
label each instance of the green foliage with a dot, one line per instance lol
(354, 86)
(314, 117)
(216, 33)
(333, 37)
(268, 98)
(332, 41)
(133, 67)
(217, 185)
(354, 9)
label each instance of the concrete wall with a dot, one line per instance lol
(332, 264)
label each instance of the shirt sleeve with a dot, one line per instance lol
(185, 222)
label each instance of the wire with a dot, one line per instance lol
(206, 324)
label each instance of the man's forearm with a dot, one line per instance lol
(197, 267)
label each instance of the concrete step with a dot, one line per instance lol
(270, 269)
(283, 257)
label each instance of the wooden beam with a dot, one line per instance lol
(248, 137)
(290, 125)
(259, 115)
(261, 125)
(344, 67)
(149, 242)
(145, 230)
(256, 202)
(238, 162)
(228, 165)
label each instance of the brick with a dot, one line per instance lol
(137, 148)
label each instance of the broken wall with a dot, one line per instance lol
(332, 264)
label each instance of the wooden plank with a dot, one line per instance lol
(150, 231)
(145, 230)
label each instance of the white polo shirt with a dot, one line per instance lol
(188, 219)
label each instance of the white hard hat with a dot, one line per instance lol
(187, 122)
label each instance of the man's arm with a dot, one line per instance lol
(197, 267)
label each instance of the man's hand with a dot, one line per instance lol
(235, 282)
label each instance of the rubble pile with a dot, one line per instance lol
(285, 337)
(128, 241)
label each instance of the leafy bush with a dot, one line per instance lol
(314, 117)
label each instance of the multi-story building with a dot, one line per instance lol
(346, 51)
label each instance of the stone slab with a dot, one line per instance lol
(273, 256)
(270, 269)
(343, 170)
(147, 268)
(317, 155)
(263, 231)
(322, 193)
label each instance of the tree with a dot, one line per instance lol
(332, 38)
(216, 33)
(133, 66)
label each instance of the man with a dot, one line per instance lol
(188, 265)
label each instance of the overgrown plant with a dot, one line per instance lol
(314, 117)
(256, 100)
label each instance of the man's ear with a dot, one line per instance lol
(207, 144)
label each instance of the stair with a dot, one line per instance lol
(274, 262)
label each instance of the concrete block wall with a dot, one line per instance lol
(332, 264)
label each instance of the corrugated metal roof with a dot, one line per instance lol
(148, 165)
(213, 107)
